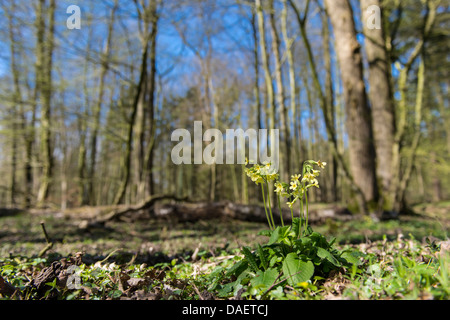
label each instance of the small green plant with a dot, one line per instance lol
(294, 254)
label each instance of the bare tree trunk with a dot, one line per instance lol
(381, 99)
(416, 138)
(284, 127)
(265, 63)
(292, 89)
(359, 127)
(151, 100)
(98, 106)
(82, 127)
(46, 94)
(17, 98)
(129, 141)
(337, 152)
(329, 93)
(259, 123)
(394, 199)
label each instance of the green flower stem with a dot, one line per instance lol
(265, 207)
(307, 212)
(281, 212)
(270, 206)
(301, 215)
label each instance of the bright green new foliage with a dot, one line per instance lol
(294, 255)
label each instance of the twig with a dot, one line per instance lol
(49, 243)
(279, 282)
(198, 292)
(109, 255)
(45, 232)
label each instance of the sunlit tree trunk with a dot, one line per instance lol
(359, 126)
(381, 98)
(98, 107)
(285, 157)
(46, 95)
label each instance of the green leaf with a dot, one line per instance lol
(265, 278)
(296, 270)
(353, 257)
(237, 268)
(325, 254)
(274, 237)
(319, 240)
(266, 233)
(296, 226)
(250, 258)
(278, 234)
(262, 256)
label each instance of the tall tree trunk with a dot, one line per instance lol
(359, 127)
(17, 98)
(394, 196)
(329, 94)
(259, 123)
(284, 127)
(82, 127)
(265, 63)
(337, 150)
(292, 89)
(129, 141)
(98, 107)
(46, 94)
(152, 97)
(381, 98)
(417, 135)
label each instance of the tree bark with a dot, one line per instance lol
(98, 106)
(285, 157)
(152, 97)
(336, 149)
(46, 95)
(17, 98)
(394, 196)
(416, 138)
(359, 126)
(329, 93)
(381, 98)
(129, 140)
(265, 63)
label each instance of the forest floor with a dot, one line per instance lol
(156, 259)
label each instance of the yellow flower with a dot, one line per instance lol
(293, 186)
(291, 204)
(279, 187)
(295, 177)
(257, 179)
(308, 177)
(315, 173)
(321, 164)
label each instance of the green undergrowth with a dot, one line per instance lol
(396, 259)
(400, 269)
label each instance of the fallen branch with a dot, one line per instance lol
(49, 243)
(115, 215)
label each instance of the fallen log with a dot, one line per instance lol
(181, 210)
(118, 213)
(185, 212)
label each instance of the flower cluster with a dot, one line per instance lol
(261, 173)
(296, 190)
(298, 185)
